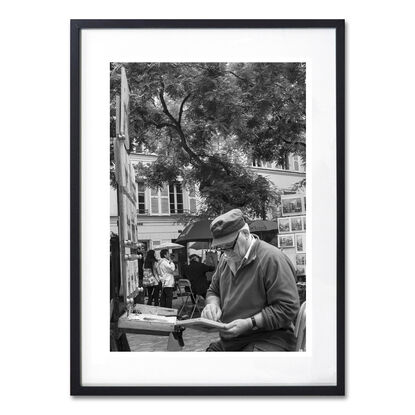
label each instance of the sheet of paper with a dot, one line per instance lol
(152, 317)
(202, 324)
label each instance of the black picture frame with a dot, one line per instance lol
(76, 27)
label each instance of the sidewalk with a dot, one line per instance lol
(194, 341)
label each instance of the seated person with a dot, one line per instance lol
(195, 272)
(253, 290)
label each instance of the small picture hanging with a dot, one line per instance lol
(284, 225)
(296, 224)
(300, 242)
(286, 241)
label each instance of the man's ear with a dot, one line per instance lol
(245, 233)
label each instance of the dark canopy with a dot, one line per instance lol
(196, 231)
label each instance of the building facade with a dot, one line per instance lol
(160, 212)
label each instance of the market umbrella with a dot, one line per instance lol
(199, 245)
(262, 226)
(168, 245)
(196, 231)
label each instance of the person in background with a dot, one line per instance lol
(139, 298)
(140, 260)
(195, 272)
(253, 290)
(166, 269)
(151, 278)
(175, 259)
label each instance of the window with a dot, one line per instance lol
(260, 163)
(141, 198)
(176, 198)
(160, 201)
(296, 164)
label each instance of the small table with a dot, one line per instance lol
(155, 328)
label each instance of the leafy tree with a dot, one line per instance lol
(204, 120)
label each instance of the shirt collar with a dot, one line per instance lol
(251, 252)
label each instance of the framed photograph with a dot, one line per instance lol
(286, 241)
(292, 205)
(241, 111)
(296, 224)
(301, 270)
(304, 222)
(284, 225)
(300, 242)
(300, 259)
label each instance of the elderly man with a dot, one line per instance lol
(253, 290)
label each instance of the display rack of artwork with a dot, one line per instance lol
(292, 224)
(126, 194)
(292, 230)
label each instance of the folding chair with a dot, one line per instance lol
(184, 294)
(300, 329)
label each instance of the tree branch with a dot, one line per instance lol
(165, 109)
(239, 77)
(193, 156)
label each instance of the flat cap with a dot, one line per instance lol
(225, 227)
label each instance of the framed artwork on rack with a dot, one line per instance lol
(286, 241)
(110, 104)
(296, 224)
(292, 205)
(300, 259)
(284, 225)
(300, 242)
(300, 270)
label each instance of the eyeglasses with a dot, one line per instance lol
(228, 248)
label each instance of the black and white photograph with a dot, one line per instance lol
(296, 224)
(300, 242)
(300, 259)
(301, 270)
(153, 129)
(284, 225)
(292, 205)
(205, 158)
(286, 241)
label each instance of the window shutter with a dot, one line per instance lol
(154, 201)
(164, 206)
(164, 200)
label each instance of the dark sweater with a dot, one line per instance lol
(264, 283)
(195, 272)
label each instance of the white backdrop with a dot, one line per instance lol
(35, 205)
(315, 367)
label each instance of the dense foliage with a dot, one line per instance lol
(207, 120)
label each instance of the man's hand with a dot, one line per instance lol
(235, 328)
(212, 312)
